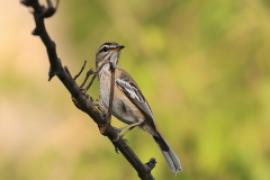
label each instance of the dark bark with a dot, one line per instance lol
(79, 97)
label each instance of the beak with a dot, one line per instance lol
(120, 47)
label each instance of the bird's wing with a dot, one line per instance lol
(132, 91)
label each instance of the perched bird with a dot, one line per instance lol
(129, 104)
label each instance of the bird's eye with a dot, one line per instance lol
(105, 49)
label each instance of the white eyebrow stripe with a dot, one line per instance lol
(111, 46)
(105, 45)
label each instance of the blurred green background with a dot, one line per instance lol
(203, 66)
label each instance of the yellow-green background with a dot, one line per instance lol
(202, 64)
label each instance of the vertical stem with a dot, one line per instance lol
(109, 115)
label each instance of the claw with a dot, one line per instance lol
(119, 136)
(117, 139)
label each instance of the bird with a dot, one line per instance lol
(129, 104)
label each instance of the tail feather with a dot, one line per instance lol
(171, 158)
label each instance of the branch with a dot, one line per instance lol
(81, 100)
(80, 72)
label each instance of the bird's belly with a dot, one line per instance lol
(124, 113)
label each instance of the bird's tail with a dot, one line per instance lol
(171, 158)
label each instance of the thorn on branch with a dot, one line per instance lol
(35, 32)
(151, 164)
(51, 74)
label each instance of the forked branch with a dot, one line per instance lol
(79, 97)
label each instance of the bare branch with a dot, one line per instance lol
(89, 73)
(81, 100)
(80, 72)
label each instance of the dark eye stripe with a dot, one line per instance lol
(103, 48)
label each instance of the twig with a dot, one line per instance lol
(82, 101)
(89, 73)
(80, 72)
(91, 82)
(93, 78)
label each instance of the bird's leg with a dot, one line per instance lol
(124, 130)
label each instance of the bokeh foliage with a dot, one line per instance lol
(204, 67)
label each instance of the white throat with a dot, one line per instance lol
(105, 70)
(104, 76)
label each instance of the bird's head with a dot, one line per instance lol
(108, 53)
